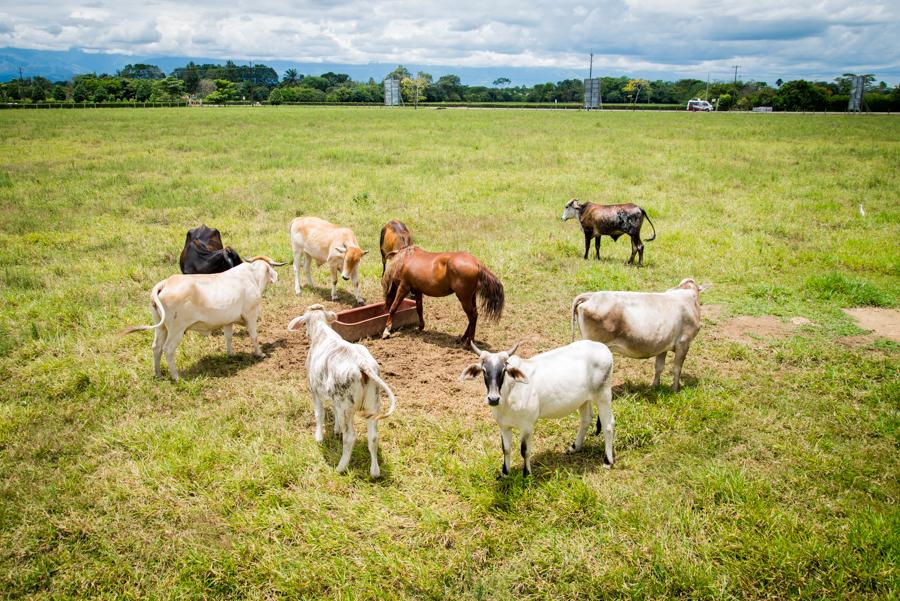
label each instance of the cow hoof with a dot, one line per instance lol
(334, 298)
(260, 355)
(375, 473)
(360, 302)
(572, 449)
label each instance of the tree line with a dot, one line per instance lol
(229, 82)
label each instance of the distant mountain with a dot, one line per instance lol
(62, 65)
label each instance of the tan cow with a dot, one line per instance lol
(643, 324)
(314, 239)
(205, 303)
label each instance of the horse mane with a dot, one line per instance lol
(393, 262)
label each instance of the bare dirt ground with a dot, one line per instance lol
(751, 330)
(883, 323)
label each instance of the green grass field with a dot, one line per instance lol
(772, 474)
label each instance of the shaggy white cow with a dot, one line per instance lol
(641, 325)
(550, 385)
(205, 303)
(347, 375)
(314, 239)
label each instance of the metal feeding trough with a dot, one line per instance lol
(369, 320)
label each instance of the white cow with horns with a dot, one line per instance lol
(205, 303)
(550, 385)
(641, 325)
(347, 375)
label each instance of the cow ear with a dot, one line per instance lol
(516, 374)
(296, 323)
(330, 316)
(471, 372)
(273, 275)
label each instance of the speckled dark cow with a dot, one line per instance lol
(610, 220)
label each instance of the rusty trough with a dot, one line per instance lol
(369, 320)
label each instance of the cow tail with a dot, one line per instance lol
(651, 225)
(154, 295)
(490, 291)
(581, 298)
(383, 385)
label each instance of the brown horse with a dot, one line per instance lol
(440, 274)
(394, 236)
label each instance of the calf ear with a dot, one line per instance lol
(471, 372)
(296, 323)
(516, 374)
(273, 276)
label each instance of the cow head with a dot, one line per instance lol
(232, 257)
(572, 210)
(690, 284)
(495, 367)
(270, 265)
(313, 314)
(351, 257)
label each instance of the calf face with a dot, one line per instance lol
(495, 368)
(350, 258)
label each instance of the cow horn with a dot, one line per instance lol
(513, 350)
(268, 260)
(477, 350)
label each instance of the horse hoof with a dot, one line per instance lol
(386, 334)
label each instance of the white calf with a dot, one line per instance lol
(641, 325)
(207, 302)
(550, 385)
(314, 239)
(347, 375)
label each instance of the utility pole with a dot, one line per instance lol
(251, 83)
(20, 83)
(591, 69)
(735, 67)
(707, 87)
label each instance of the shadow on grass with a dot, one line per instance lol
(645, 391)
(220, 365)
(333, 446)
(345, 297)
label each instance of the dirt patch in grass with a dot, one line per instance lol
(711, 312)
(748, 329)
(884, 323)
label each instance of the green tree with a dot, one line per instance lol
(225, 91)
(291, 78)
(501, 82)
(191, 78)
(141, 71)
(400, 73)
(799, 95)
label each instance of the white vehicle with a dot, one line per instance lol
(699, 105)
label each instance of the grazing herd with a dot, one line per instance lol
(218, 290)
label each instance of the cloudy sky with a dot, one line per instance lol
(768, 39)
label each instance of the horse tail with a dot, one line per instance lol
(381, 248)
(651, 225)
(490, 291)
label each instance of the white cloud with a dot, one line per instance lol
(688, 37)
